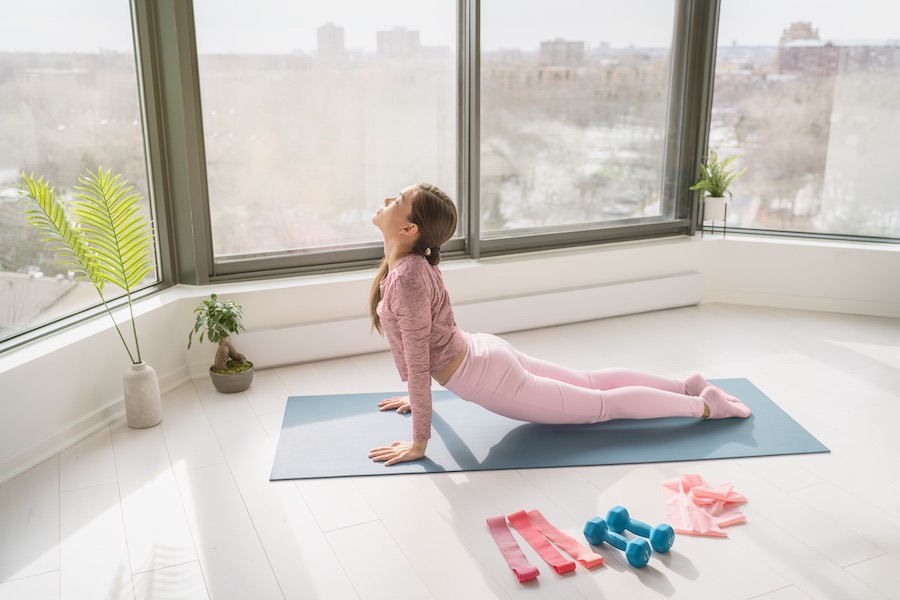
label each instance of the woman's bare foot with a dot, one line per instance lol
(721, 405)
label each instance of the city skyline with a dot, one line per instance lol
(283, 26)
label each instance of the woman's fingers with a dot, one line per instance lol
(384, 452)
(396, 452)
(390, 403)
(398, 403)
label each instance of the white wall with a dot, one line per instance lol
(56, 391)
(833, 277)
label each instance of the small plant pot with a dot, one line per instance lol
(230, 383)
(714, 208)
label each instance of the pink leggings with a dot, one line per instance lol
(503, 380)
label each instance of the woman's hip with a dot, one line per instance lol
(489, 364)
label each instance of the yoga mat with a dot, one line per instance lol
(330, 436)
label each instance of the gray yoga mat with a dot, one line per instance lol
(331, 435)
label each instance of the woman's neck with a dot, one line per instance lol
(394, 253)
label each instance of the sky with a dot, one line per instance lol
(279, 26)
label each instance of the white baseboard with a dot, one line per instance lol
(39, 452)
(584, 304)
(872, 308)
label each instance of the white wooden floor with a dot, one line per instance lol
(186, 510)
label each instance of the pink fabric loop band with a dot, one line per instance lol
(537, 540)
(570, 545)
(510, 550)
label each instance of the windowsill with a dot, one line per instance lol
(786, 240)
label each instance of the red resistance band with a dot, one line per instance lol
(510, 550)
(537, 540)
(570, 545)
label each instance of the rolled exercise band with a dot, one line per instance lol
(510, 550)
(537, 540)
(570, 545)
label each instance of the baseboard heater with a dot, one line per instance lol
(346, 337)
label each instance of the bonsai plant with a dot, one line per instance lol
(218, 320)
(102, 237)
(717, 176)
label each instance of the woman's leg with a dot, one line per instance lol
(608, 379)
(495, 378)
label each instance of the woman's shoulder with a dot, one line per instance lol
(412, 262)
(413, 271)
(413, 266)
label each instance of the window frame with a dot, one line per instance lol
(177, 130)
(689, 104)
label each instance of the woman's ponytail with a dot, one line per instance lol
(375, 296)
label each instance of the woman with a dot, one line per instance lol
(410, 305)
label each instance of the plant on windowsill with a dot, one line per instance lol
(102, 236)
(218, 320)
(716, 176)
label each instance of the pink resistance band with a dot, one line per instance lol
(510, 550)
(570, 545)
(537, 540)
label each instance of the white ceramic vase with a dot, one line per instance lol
(143, 406)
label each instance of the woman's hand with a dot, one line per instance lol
(400, 403)
(398, 452)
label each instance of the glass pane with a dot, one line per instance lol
(313, 112)
(808, 101)
(573, 112)
(68, 102)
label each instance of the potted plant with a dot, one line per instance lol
(218, 320)
(717, 175)
(102, 236)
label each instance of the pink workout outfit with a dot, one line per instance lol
(503, 380)
(418, 321)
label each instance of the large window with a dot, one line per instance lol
(69, 101)
(275, 130)
(574, 100)
(806, 94)
(313, 112)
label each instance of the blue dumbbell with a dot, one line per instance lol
(637, 551)
(661, 537)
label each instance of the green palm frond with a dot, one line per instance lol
(102, 234)
(46, 211)
(119, 236)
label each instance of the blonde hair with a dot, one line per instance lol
(434, 213)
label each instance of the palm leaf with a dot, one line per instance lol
(46, 211)
(101, 234)
(119, 237)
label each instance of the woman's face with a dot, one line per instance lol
(393, 215)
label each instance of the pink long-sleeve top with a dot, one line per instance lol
(417, 319)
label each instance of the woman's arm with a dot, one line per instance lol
(410, 304)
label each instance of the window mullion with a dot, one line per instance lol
(469, 124)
